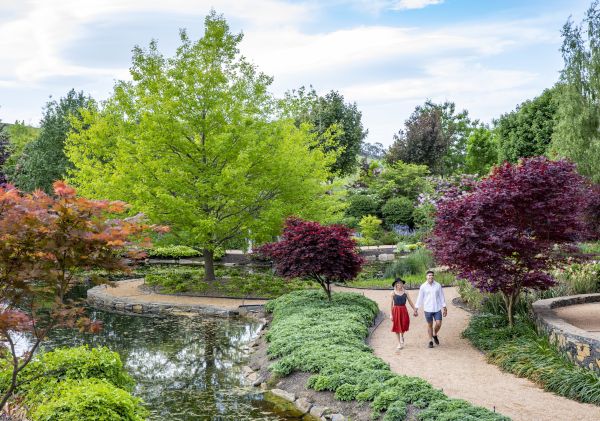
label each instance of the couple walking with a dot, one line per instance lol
(431, 298)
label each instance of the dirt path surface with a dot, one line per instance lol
(584, 316)
(131, 289)
(461, 370)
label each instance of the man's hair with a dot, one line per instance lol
(430, 271)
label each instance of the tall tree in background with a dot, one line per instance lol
(4, 151)
(43, 161)
(528, 130)
(20, 135)
(338, 125)
(192, 143)
(577, 132)
(434, 135)
(482, 151)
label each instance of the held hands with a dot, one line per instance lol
(416, 313)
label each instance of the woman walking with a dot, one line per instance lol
(398, 313)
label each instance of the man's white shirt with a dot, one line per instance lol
(431, 297)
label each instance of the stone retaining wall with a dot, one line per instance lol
(239, 258)
(98, 297)
(582, 347)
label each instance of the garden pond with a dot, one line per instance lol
(185, 368)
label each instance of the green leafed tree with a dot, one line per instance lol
(482, 151)
(192, 142)
(577, 132)
(338, 125)
(43, 160)
(19, 135)
(527, 131)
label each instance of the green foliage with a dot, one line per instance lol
(424, 216)
(20, 135)
(233, 282)
(528, 130)
(456, 410)
(521, 351)
(42, 375)
(388, 238)
(400, 179)
(337, 124)
(577, 125)
(419, 261)
(360, 205)
(173, 252)
(193, 142)
(578, 278)
(43, 160)
(443, 278)
(308, 333)
(398, 211)
(482, 151)
(76, 383)
(89, 399)
(370, 227)
(470, 295)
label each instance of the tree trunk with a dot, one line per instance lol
(328, 290)
(509, 300)
(209, 265)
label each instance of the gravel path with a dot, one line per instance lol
(131, 289)
(461, 370)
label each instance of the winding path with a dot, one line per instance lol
(462, 371)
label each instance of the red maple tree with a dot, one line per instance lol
(309, 250)
(44, 241)
(512, 227)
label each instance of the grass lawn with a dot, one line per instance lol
(412, 281)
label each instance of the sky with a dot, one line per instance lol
(487, 56)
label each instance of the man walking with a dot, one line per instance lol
(431, 298)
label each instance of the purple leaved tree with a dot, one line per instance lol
(506, 233)
(309, 250)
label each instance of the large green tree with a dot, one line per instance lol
(338, 125)
(527, 131)
(577, 132)
(193, 143)
(19, 135)
(43, 160)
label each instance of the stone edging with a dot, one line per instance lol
(97, 297)
(582, 347)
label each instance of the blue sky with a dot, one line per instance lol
(387, 56)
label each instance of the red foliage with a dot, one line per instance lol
(593, 213)
(44, 241)
(513, 226)
(310, 250)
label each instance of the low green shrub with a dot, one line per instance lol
(398, 211)
(388, 237)
(173, 251)
(73, 383)
(470, 295)
(578, 278)
(42, 375)
(310, 334)
(455, 410)
(89, 399)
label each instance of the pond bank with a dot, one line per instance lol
(126, 297)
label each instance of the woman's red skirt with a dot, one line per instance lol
(400, 319)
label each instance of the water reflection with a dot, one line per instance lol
(185, 368)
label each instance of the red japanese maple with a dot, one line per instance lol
(513, 226)
(309, 250)
(44, 241)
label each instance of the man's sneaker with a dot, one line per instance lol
(430, 344)
(436, 340)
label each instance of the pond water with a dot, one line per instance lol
(185, 368)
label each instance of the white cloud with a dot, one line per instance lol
(32, 43)
(415, 4)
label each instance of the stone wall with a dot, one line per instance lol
(98, 297)
(238, 257)
(582, 347)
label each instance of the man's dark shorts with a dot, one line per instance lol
(430, 316)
